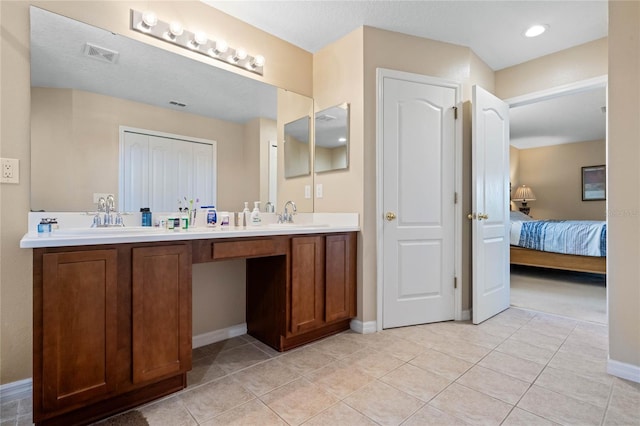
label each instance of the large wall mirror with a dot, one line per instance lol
(87, 82)
(331, 142)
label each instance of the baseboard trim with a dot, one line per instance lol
(219, 335)
(623, 370)
(363, 327)
(24, 388)
(466, 315)
(16, 390)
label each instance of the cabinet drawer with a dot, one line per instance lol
(244, 248)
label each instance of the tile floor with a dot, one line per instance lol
(518, 368)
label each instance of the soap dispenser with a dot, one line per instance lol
(246, 214)
(255, 214)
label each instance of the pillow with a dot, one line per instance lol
(519, 216)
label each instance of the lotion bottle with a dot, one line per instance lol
(256, 220)
(246, 214)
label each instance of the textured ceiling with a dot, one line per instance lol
(492, 29)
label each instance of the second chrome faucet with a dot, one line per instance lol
(287, 217)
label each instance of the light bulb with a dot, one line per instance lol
(258, 61)
(219, 48)
(239, 55)
(149, 20)
(175, 31)
(199, 39)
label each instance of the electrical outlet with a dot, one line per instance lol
(307, 191)
(10, 170)
(319, 191)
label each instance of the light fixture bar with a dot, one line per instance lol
(174, 33)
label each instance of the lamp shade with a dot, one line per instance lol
(524, 193)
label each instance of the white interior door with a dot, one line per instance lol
(490, 205)
(417, 124)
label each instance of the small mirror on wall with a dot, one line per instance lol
(297, 153)
(332, 139)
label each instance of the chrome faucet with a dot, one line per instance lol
(109, 208)
(287, 217)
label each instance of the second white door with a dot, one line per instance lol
(417, 124)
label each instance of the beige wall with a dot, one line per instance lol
(623, 152)
(15, 263)
(567, 66)
(555, 175)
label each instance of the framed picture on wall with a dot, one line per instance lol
(594, 183)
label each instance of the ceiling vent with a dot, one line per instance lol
(325, 117)
(100, 53)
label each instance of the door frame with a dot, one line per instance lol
(381, 73)
(557, 91)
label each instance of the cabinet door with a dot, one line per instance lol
(306, 303)
(161, 311)
(79, 326)
(340, 277)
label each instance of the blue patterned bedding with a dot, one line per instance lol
(580, 237)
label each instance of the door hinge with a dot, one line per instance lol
(455, 198)
(455, 112)
(455, 282)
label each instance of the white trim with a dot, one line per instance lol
(465, 316)
(554, 92)
(381, 73)
(16, 390)
(219, 335)
(363, 327)
(623, 370)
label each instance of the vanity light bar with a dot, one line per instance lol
(173, 32)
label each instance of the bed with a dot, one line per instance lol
(573, 245)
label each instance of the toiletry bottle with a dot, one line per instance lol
(255, 214)
(44, 227)
(146, 216)
(212, 216)
(246, 214)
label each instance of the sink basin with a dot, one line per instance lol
(296, 225)
(116, 230)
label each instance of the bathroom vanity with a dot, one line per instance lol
(112, 314)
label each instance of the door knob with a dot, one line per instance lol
(483, 216)
(390, 216)
(471, 216)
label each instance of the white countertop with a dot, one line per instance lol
(75, 229)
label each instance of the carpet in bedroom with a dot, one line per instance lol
(571, 294)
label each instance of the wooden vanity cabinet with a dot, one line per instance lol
(112, 328)
(319, 297)
(79, 323)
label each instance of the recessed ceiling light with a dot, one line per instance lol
(535, 30)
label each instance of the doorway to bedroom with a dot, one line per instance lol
(558, 138)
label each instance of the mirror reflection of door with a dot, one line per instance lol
(297, 156)
(331, 143)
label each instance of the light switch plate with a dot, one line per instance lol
(307, 191)
(10, 169)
